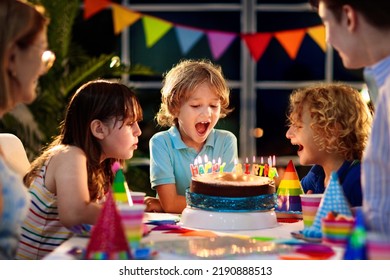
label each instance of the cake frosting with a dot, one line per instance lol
(232, 185)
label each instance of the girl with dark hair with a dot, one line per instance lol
(69, 180)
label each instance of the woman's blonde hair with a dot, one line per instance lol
(182, 80)
(340, 119)
(20, 23)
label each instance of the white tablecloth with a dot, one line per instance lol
(281, 232)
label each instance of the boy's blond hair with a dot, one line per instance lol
(182, 80)
(340, 119)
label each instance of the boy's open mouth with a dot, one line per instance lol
(201, 127)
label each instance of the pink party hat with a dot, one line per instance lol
(108, 241)
(332, 200)
(289, 190)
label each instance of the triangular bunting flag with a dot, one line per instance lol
(154, 29)
(291, 41)
(317, 33)
(289, 190)
(219, 42)
(92, 7)
(333, 200)
(187, 38)
(123, 17)
(257, 43)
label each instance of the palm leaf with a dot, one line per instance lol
(38, 122)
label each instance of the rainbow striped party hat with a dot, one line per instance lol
(289, 190)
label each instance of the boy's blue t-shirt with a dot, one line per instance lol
(349, 177)
(170, 157)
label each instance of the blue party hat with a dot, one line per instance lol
(333, 200)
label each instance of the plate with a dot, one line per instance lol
(299, 235)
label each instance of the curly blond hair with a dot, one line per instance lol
(182, 80)
(340, 119)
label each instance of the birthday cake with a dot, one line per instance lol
(243, 199)
(231, 192)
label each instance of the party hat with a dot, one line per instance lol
(119, 185)
(356, 246)
(289, 190)
(108, 241)
(332, 200)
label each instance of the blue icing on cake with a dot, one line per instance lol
(231, 204)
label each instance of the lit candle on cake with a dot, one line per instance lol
(266, 169)
(194, 168)
(261, 170)
(222, 167)
(237, 167)
(255, 167)
(216, 165)
(201, 168)
(207, 166)
(273, 172)
(247, 166)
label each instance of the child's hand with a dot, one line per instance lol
(152, 204)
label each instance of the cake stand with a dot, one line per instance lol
(203, 219)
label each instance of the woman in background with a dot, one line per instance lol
(23, 59)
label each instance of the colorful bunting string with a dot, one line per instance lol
(123, 17)
(219, 41)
